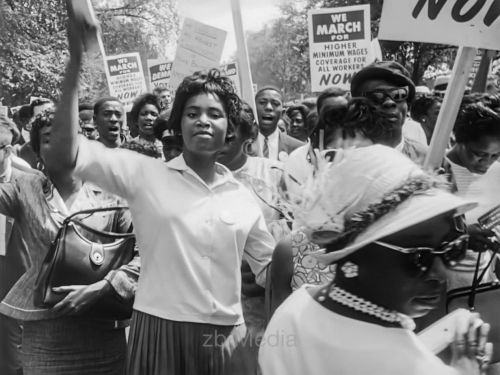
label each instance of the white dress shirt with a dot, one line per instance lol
(191, 236)
(273, 143)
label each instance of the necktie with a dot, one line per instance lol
(265, 150)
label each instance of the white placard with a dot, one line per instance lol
(339, 45)
(472, 23)
(125, 77)
(199, 48)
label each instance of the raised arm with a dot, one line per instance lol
(61, 157)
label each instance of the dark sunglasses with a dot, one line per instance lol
(423, 257)
(379, 96)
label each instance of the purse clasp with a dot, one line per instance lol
(97, 254)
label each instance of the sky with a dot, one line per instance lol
(217, 13)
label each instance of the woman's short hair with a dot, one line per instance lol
(246, 125)
(475, 121)
(302, 109)
(363, 117)
(140, 102)
(161, 124)
(329, 92)
(41, 120)
(421, 105)
(210, 82)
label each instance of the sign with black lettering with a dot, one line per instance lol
(468, 23)
(159, 73)
(125, 77)
(339, 45)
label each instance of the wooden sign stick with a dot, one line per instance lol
(242, 53)
(449, 109)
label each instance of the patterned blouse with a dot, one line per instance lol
(306, 269)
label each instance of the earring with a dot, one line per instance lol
(350, 270)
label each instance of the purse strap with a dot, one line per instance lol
(71, 218)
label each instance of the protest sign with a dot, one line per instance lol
(469, 24)
(339, 45)
(159, 73)
(472, 23)
(125, 77)
(231, 71)
(199, 48)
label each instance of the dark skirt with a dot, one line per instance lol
(164, 347)
(72, 346)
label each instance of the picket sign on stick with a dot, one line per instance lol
(470, 24)
(449, 109)
(242, 55)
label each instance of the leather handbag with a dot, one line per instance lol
(483, 298)
(73, 259)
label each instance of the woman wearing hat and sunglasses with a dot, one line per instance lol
(390, 229)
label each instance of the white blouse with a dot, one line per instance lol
(191, 236)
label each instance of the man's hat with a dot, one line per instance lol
(389, 71)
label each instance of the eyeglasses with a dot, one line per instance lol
(423, 257)
(379, 96)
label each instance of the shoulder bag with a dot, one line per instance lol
(73, 259)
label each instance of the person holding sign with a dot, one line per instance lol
(389, 228)
(388, 86)
(194, 223)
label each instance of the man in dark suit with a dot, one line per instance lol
(271, 142)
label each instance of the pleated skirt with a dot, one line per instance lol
(164, 347)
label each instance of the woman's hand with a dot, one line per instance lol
(80, 298)
(471, 353)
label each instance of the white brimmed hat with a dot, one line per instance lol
(360, 178)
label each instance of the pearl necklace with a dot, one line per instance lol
(359, 304)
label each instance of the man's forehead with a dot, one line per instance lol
(269, 94)
(378, 84)
(112, 105)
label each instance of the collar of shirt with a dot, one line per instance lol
(223, 175)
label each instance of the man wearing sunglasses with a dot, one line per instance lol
(388, 86)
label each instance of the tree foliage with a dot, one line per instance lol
(33, 47)
(282, 58)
